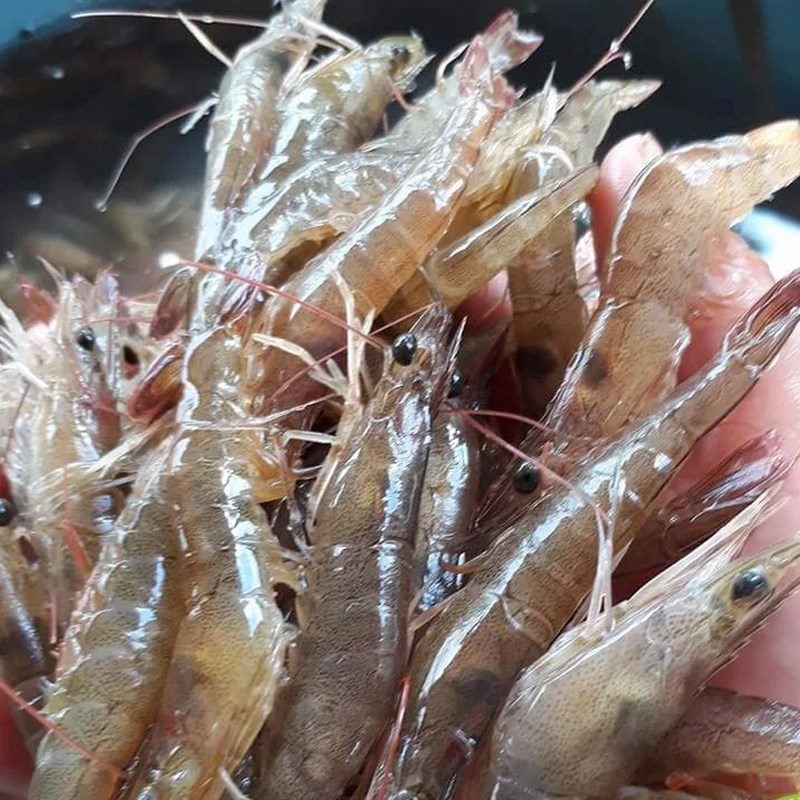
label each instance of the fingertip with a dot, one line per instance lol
(623, 162)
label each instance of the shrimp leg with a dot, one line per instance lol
(542, 566)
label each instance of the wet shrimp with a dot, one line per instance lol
(387, 245)
(542, 282)
(359, 580)
(116, 651)
(328, 195)
(245, 121)
(655, 270)
(581, 720)
(541, 567)
(630, 352)
(229, 646)
(725, 733)
(688, 518)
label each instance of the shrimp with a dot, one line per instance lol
(116, 652)
(459, 269)
(542, 282)
(327, 196)
(581, 720)
(388, 244)
(359, 579)
(336, 106)
(230, 644)
(655, 270)
(449, 500)
(540, 568)
(723, 732)
(245, 121)
(630, 352)
(694, 514)
(72, 418)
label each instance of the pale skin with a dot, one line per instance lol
(770, 665)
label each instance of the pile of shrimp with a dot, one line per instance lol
(262, 534)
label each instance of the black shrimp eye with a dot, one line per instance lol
(400, 54)
(129, 356)
(86, 338)
(403, 349)
(456, 385)
(526, 478)
(752, 584)
(7, 511)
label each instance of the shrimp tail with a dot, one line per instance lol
(506, 44)
(160, 387)
(759, 334)
(477, 69)
(688, 519)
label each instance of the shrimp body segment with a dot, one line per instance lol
(360, 581)
(230, 643)
(541, 567)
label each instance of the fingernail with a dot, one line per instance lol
(648, 146)
(734, 273)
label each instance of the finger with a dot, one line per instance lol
(622, 164)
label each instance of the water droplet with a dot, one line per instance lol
(25, 144)
(627, 60)
(100, 205)
(34, 199)
(54, 71)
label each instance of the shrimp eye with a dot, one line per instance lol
(752, 584)
(526, 478)
(400, 55)
(86, 339)
(129, 356)
(456, 385)
(7, 511)
(403, 349)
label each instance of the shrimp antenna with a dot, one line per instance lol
(614, 52)
(208, 19)
(203, 105)
(204, 40)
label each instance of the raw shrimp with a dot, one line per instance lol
(693, 515)
(549, 316)
(538, 571)
(387, 245)
(725, 732)
(631, 349)
(629, 355)
(336, 106)
(460, 268)
(243, 127)
(327, 196)
(449, 500)
(353, 646)
(73, 419)
(230, 644)
(116, 651)
(581, 720)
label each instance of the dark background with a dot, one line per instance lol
(72, 93)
